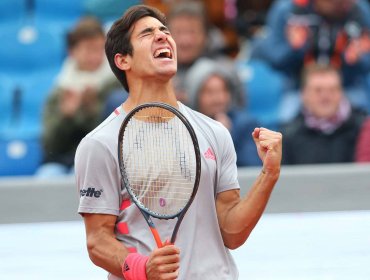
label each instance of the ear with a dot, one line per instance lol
(122, 61)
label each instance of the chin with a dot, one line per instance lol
(169, 72)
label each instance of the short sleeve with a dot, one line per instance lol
(97, 178)
(228, 171)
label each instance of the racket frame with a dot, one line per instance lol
(145, 212)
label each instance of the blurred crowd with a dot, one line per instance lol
(301, 67)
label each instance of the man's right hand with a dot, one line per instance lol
(163, 263)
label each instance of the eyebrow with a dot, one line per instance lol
(151, 29)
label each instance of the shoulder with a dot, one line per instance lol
(294, 127)
(357, 117)
(210, 130)
(104, 137)
(203, 122)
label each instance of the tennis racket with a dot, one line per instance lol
(160, 163)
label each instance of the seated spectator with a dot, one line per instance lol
(330, 32)
(363, 144)
(74, 105)
(327, 127)
(194, 37)
(212, 91)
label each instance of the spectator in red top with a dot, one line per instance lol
(363, 144)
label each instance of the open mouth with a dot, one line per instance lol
(163, 53)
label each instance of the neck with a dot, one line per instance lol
(149, 91)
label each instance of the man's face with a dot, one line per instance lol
(322, 94)
(190, 37)
(154, 50)
(89, 53)
(214, 96)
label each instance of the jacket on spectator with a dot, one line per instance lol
(290, 61)
(305, 145)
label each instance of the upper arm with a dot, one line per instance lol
(225, 201)
(98, 224)
(228, 171)
(97, 179)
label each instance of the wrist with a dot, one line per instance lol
(274, 174)
(134, 267)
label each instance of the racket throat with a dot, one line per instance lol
(156, 236)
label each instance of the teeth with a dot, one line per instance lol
(166, 52)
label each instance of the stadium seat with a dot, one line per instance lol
(25, 50)
(108, 10)
(22, 103)
(6, 103)
(12, 12)
(32, 106)
(19, 156)
(264, 88)
(59, 15)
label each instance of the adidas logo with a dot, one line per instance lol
(91, 192)
(209, 154)
(126, 267)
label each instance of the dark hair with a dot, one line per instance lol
(119, 35)
(88, 27)
(317, 68)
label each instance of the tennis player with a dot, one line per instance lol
(142, 54)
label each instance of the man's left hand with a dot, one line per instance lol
(269, 148)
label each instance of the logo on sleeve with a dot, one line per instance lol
(91, 192)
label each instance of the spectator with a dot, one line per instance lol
(73, 108)
(251, 16)
(195, 38)
(334, 32)
(363, 144)
(212, 91)
(327, 128)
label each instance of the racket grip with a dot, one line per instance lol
(156, 236)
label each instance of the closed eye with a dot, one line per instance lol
(150, 31)
(146, 32)
(165, 30)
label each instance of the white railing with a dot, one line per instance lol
(308, 188)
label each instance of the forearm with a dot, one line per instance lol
(107, 252)
(240, 220)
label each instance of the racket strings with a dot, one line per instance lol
(159, 161)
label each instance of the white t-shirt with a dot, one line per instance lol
(203, 255)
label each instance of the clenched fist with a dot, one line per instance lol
(269, 148)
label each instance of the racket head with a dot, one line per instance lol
(159, 159)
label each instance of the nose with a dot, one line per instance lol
(160, 36)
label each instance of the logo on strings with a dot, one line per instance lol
(162, 202)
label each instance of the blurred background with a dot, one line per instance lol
(298, 66)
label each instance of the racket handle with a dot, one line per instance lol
(156, 236)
